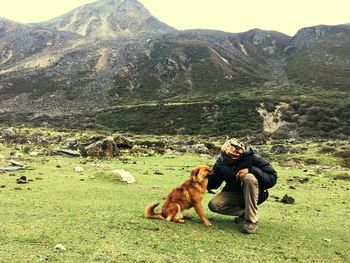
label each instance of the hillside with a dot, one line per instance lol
(111, 64)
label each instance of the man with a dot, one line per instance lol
(247, 177)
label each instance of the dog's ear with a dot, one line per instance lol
(195, 171)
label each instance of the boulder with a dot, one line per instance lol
(103, 148)
(123, 142)
(288, 199)
(67, 153)
(124, 176)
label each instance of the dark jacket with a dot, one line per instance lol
(263, 171)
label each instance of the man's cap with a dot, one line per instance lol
(232, 148)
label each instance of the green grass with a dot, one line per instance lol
(99, 219)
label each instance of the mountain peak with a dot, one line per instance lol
(108, 19)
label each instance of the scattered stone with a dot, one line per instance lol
(12, 168)
(18, 188)
(78, 169)
(22, 180)
(277, 198)
(282, 149)
(287, 199)
(303, 180)
(66, 153)
(2, 186)
(311, 161)
(327, 149)
(14, 163)
(328, 240)
(39, 178)
(292, 187)
(125, 176)
(291, 162)
(60, 247)
(152, 228)
(158, 173)
(199, 148)
(58, 166)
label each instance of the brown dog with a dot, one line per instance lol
(189, 194)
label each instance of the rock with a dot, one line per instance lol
(78, 169)
(327, 149)
(303, 180)
(60, 247)
(291, 162)
(11, 169)
(311, 161)
(103, 148)
(158, 173)
(125, 176)
(12, 136)
(287, 199)
(14, 163)
(123, 142)
(199, 148)
(328, 240)
(67, 153)
(22, 180)
(282, 149)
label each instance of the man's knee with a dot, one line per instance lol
(214, 206)
(250, 179)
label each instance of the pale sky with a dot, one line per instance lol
(226, 15)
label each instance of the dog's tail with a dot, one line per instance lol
(149, 211)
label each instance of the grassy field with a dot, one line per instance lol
(98, 218)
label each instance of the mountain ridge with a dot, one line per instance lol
(49, 72)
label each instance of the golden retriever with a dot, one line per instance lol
(189, 194)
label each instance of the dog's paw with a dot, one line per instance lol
(188, 216)
(208, 223)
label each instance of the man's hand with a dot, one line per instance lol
(241, 174)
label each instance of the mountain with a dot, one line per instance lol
(320, 56)
(106, 19)
(112, 63)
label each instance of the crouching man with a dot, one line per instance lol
(247, 177)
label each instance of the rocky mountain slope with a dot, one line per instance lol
(112, 63)
(108, 19)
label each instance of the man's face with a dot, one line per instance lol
(228, 159)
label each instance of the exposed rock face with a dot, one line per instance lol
(102, 148)
(272, 120)
(106, 19)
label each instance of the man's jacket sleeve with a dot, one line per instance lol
(215, 180)
(263, 171)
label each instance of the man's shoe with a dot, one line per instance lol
(239, 219)
(249, 227)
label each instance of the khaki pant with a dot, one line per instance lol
(238, 203)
